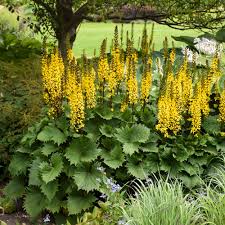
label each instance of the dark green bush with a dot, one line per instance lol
(20, 103)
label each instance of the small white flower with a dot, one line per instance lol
(208, 46)
(190, 54)
(46, 218)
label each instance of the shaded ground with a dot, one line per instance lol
(15, 218)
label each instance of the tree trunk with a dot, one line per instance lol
(66, 40)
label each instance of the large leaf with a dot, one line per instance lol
(149, 147)
(106, 130)
(114, 158)
(49, 171)
(137, 169)
(77, 202)
(190, 169)
(152, 162)
(92, 128)
(136, 134)
(181, 153)
(15, 188)
(34, 175)
(211, 125)
(221, 146)
(48, 149)
(51, 133)
(81, 150)
(54, 205)
(191, 181)
(34, 203)
(104, 112)
(220, 35)
(19, 164)
(50, 189)
(130, 148)
(86, 177)
(187, 40)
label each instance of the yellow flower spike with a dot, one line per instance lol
(222, 107)
(172, 56)
(182, 88)
(132, 84)
(168, 116)
(52, 76)
(89, 88)
(75, 100)
(146, 83)
(195, 110)
(103, 66)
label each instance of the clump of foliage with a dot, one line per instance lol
(161, 203)
(21, 102)
(12, 46)
(101, 114)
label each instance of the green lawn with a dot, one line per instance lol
(90, 35)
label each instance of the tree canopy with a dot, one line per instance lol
(63, 17)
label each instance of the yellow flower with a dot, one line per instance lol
(222, 107)
(75, 101)
(182, 87)
(52, 76)
(89, 88)
(172, 56)
(168, 116)
(132, 84)
(195, 110)
(103, 65)
(146, 83)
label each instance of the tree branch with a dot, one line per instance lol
(46, 7)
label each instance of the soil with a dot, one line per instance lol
(15, 219)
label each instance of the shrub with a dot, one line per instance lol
(20, 102)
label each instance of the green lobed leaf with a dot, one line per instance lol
(76, 203)
(114, 158)
(190, 169)
(48, 149)
(150, 147)
(138, 170)
(92, 129)
(81, 150)
(211, 149)
(130, 148)
(15, 188)
(49, 171)
(50, 189)
(51, 133)
(34, 175)
(54, 205)
(138, 133)
(19, 164)
(221, 146)
(104, 112)
(152, 162)
(191, 181)
(86, 177)
(34, 203)
(181, 153)
(106, 130)
(211, 125)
